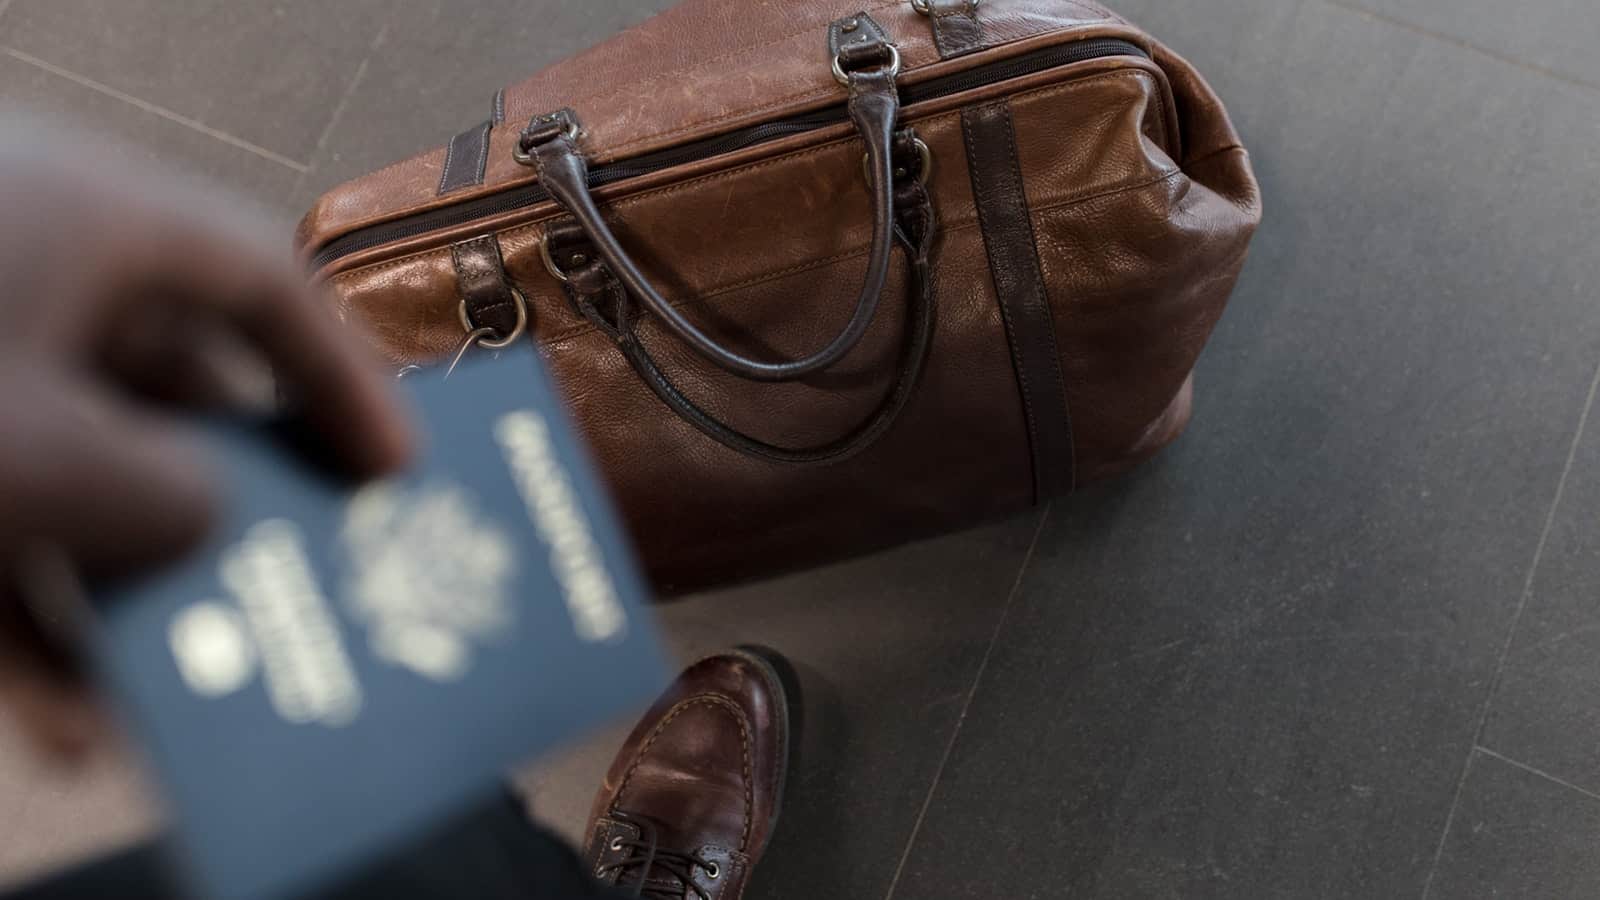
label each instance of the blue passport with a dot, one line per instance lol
(343, 667)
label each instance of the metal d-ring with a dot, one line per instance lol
(483, 340)
(842, 77)
(926, 7)
(467, 343)
(550, 262)
(525, 156)
(923, 154)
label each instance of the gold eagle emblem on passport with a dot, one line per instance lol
(428, 574)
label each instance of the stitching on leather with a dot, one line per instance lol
(1043, 296)
(800, 154)
(1017, 362)
(666, 190)
(744, 740)
(1127, 189)
(483, 153)
(960, 224)
(538, 164)
(577, 331)
(601, 831)
(951, 44)
(708, 63)
(449, 157)
(1016, 351)
(963, 224)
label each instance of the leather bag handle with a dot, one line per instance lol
(869, 70)
(590, 283)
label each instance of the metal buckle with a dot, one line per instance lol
(483, 337)
(923, 154)
(841, 76)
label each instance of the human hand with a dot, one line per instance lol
(127, 302)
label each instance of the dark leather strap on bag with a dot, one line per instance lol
(807, 303)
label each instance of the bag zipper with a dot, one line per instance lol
(527, 195)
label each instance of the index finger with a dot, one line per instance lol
(333, 377)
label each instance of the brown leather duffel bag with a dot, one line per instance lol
(817, 280)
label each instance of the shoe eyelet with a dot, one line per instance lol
(713, 871)
(616, 844)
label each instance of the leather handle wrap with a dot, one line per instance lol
(874, 106)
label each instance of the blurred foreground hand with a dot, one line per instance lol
(126, 302)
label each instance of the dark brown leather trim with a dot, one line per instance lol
(853, 30)
(1004, 218)
(466, 159)
(956, 29)
(482, 282)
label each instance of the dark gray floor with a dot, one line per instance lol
(1342, 641)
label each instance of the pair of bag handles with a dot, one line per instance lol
(867, 65)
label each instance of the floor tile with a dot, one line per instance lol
(1519, 835)
(269, 73)
(438, 66)
(1255, 669)
(1556, 36)
(887, 647)
(1544, 712)
(123, 131)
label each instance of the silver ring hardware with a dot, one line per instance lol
(843, 77)
(570, 130)
(926, 8)
(923, 154)
(550, 262)
(484, 337)
(471, 340)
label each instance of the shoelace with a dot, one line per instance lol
(654, 872)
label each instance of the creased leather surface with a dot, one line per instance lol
(701, 68)
(1142, 204)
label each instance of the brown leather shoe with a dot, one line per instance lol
(692, 798)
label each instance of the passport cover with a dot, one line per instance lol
(342, 667)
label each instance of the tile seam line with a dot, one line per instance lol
(1539, 772)
(341, 107)
(154, 109)
(966, 706)
(1511, 630)
(1495, 55)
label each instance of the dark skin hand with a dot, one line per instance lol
(126, 305)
